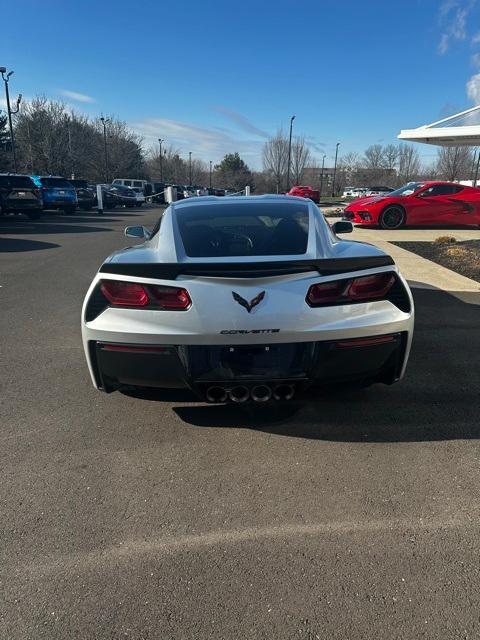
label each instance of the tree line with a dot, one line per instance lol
(51, 138)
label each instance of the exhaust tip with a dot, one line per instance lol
(284, 392)
(239, 394)
(261, 393)
(216, 394)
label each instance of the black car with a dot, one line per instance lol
(85, 195)
(19, 194)
(124, 196)
(159, 190)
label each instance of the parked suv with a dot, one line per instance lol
(19, 194)
(57, 193)
(85, 195)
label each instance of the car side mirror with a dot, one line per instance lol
(342, 226)
(137, 232)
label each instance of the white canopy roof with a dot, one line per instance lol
(460, 129)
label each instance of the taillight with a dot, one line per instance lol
(170, 297)
(132, 294)
(126, 294)
(326, 292)
(373, 287)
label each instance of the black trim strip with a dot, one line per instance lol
(170, 270)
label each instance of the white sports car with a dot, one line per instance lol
(253, 298)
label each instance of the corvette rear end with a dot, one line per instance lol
(246, 299)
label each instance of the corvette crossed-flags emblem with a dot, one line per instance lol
(248, 305)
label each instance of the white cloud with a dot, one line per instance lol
(473, 88)
(476, 59)
(241, 121)
(205, 143)
(453, 20)
(75, 96)
(476, 38)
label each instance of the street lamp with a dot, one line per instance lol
(210, 174)
(289, 152)
(104, 122)
(6, 79)
(335, 170)
(161, 164)
(190, 166)
(321, 176)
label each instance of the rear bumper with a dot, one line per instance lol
(196, 367)
(22, 205)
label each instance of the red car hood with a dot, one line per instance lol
(366, 201)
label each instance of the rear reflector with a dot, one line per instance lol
(364, 342)
(133, 348)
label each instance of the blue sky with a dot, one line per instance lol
(214, 77)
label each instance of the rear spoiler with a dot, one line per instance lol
(170, 270)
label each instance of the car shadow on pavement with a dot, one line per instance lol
(10, 245)
(44, 227)
(437, 400)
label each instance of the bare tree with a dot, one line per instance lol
(374, 158)
(408, 162)
(348, 166)
(299, 159)
(275, 157)
(454, 163)
(391, 153)
(53, 139)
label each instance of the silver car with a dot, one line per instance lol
(246, 299)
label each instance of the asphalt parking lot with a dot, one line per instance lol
(355, 515)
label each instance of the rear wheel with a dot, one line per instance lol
(86, 207)
(392, 218)
(69, 210)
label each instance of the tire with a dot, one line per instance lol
(33, 215)
(69, 211)
(392, 217)
(86, 207)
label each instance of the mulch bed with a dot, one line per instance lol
(462, 257)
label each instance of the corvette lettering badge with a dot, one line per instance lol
(248, 305)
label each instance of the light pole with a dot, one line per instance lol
(210, 174)
(289, 152)
(321, 176)
(190, 167)
(161, 164)
(105, 121)
(6, 78)
(335, 170)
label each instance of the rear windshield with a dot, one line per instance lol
(56, 182)
(18, 182)
(264, 229)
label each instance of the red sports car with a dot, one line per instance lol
(305, 192)
(419, 203)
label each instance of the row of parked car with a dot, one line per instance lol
(31, 195)
(365, 192)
